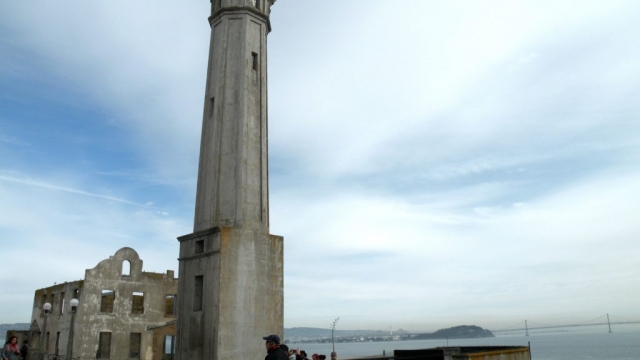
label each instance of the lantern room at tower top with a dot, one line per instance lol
(263, 6)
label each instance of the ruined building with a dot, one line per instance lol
(123, 312)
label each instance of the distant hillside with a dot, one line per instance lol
(457, 332)
(317, 334)
(6, 327)
(297, 333)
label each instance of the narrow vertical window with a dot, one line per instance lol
(169, 346)
(134, 346)
(107, 300)
(44, 299)
(104, 346)
(53, 303)
(219, 4)
(126, 268)
(256, 3)
(170, 305)
(57, 343)
(198, 293)
(137, 303)
(62, 301)
(254, 60)
(76, 293)
(212, 103)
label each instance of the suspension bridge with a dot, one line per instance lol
(527, 325)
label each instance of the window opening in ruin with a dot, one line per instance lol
(199, 246)
(219, 4)
(34, 337)
(256, 3)
(197, 292)
(106, 303)
(76, 293)
(134, 346)
(254, 59)
(104, 346)
(126, 268)
(53, 303)
(137, 303)
(57, 343)
(169, 347)
(44, 299)
(170, 305)
(62, 303)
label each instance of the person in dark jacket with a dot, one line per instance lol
(24, 350)
(274, 352)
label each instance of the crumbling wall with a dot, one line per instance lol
(116, 299)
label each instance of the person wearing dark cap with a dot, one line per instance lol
(274, 352)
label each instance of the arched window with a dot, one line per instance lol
(126, 268)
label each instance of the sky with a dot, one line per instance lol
(432, 163)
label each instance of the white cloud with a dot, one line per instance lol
(432, 163)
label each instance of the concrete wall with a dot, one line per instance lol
(502, 354)
(458, 353)
(242, 294)
(233, 184)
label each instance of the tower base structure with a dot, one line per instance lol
(230, 293)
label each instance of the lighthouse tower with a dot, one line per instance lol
(230, 290)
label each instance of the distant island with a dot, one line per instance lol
(318, 335)
(457, 332)
(6, 327)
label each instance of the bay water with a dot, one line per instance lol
(589, 343)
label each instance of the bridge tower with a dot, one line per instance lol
(231, 269)
(609, 323)
(526, 327)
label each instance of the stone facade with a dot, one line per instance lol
(123, 312)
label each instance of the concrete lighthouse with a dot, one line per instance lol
(231, 269)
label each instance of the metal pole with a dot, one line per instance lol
(46, 307)
(333, 327)
(74, 307)
(43, 333)
(333, 344)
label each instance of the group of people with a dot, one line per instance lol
(10, 350)
(277, 351)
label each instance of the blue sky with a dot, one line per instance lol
(431, 163)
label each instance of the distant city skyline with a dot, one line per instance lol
(432, 164)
